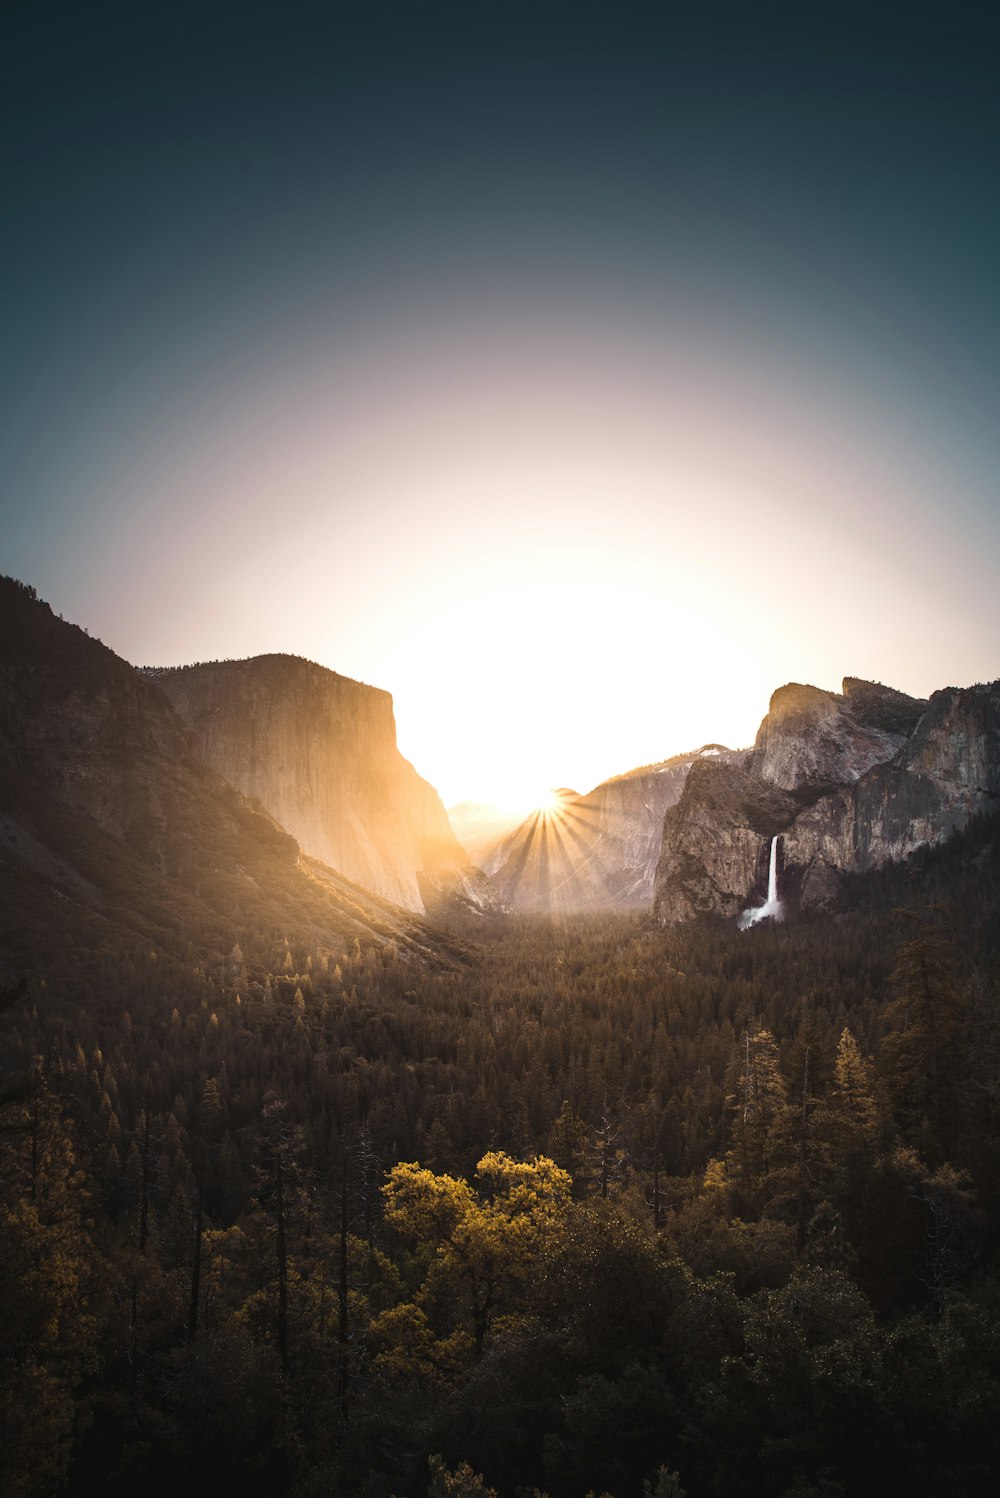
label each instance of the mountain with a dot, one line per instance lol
(597, 850)
(847, 782)
(480, 826)
(318, 752)
(117, 841)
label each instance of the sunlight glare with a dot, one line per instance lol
(547, 804)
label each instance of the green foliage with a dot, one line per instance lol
(667, 1485)
(923, 1049)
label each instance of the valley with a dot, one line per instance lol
(500, 750)
(536, 1193)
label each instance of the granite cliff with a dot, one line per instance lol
(116, 837)
(812, 741)
(318, 752)
(848, 781)
(597, 850)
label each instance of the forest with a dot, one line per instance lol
(591, 1207)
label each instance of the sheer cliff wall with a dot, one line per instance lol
(318, 752)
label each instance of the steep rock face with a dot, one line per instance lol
(716, 842)
(946, 772)
(318, 752)
(594, 851)
(813, 740)
(865, 777)
(115, 837)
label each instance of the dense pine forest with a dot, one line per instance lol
(588, 1207)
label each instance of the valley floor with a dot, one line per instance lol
(595, 1206)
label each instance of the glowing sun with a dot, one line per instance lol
(547, 803)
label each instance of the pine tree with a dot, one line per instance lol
(760, 1112)
(922, 1051)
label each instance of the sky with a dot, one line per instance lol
(579, 373)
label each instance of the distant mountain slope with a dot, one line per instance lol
(847, 782)
(116, 838)
(318, 751)
(597, 850)
(480, 826)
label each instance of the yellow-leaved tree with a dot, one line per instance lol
(474, 1246)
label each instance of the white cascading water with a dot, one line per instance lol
(771, 909)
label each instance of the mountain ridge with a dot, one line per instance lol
(300, 764)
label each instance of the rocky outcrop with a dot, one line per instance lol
(812, 741)
(596, 851)
(851, 781)
(318, 752)
(946, 772)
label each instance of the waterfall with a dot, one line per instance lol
(771, 909)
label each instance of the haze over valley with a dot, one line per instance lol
(836, 784)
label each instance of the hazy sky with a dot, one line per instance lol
(578, 373)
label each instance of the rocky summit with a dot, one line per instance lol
(846, 781)
(813, 740)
